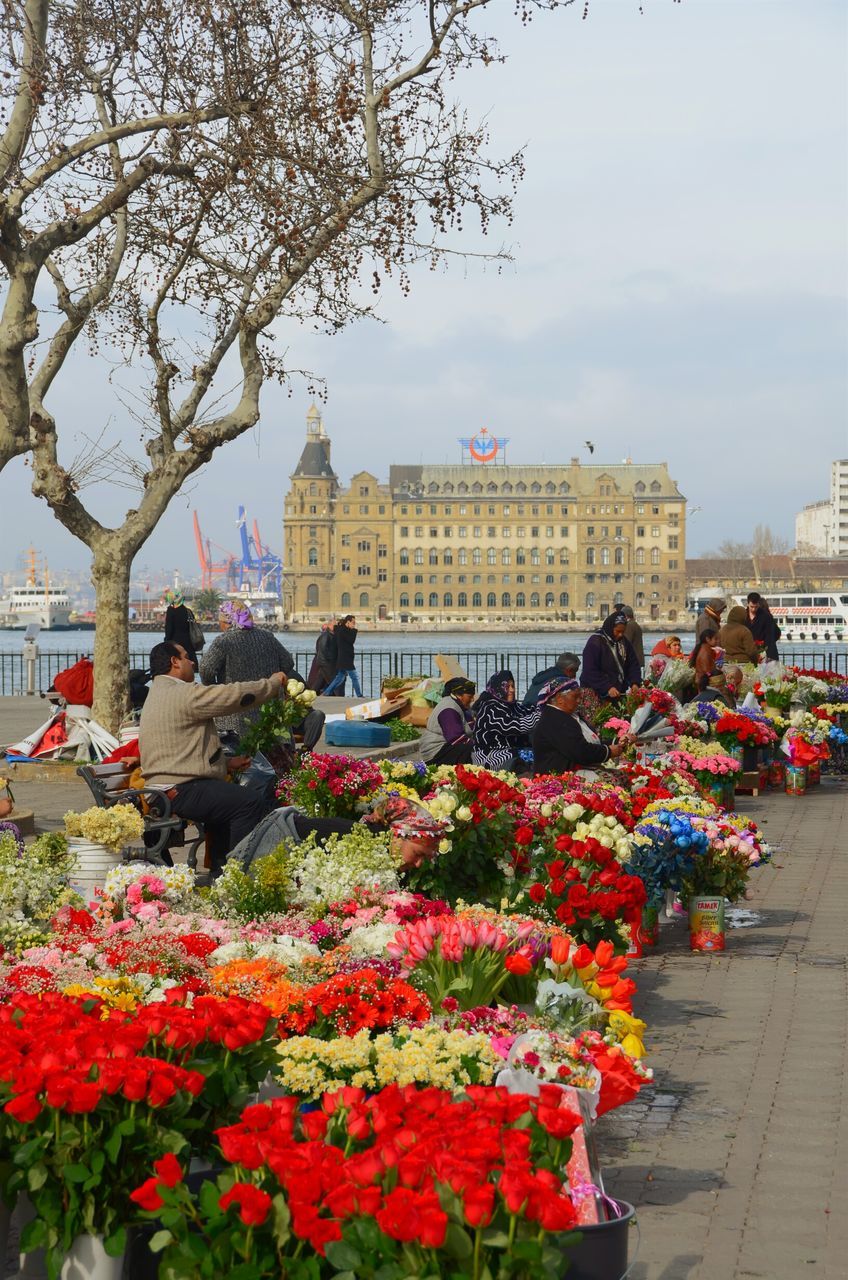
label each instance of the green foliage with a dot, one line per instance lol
(272, 726)
(403, 732)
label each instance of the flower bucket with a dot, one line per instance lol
(706, 924)
(796, 779)
(729, 793)
(737, 752)
(777, 774)
(649, 928)
(750, 759)
(87, 1259)
(814, 774)
(93, 863)
(714, 790)
(603, 1249)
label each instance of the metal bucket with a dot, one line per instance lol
(706, 923)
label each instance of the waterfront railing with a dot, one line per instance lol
(374, 666)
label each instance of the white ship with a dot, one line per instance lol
(38, 602)
(801, 615)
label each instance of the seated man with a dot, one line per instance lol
(567, 664)
(182, 755)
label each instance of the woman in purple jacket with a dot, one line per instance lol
(610, 666)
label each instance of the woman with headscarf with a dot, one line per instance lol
(447, 737)
(610, 666)
(668, 647)
(562, 740)
(178, 620)
(245, 652)
(501, 726)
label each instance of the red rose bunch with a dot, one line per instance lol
(587, 891)
(350, 1002)
(329, 786)
(389, 1180)
(731, 729)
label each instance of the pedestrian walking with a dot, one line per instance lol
(324, 664)
(345, 634)
(181, 626)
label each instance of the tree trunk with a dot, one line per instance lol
(110, 573)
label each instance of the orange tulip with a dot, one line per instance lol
(560, 948)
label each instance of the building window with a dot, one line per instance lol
(313, 511)
(476, 600)
(462, 600)
(491, 600)
(404, 531)
(672, 564)
(363, 511)
(477, 556)
(519, 600)
(491, 556)
(619, 555)
(478, 530)
(434, 600)
(590, 531)
(506, 556)
(363, 571)
(363, 546)
(448, 556)
(345, 566)
(404, 556)
(404, 577)
(434, 556)
(345, 539)
(363, 599)
(673, 542)
(462, 556)
(520, 557)
(640, 531)
(605, 555)
(418, 579)
(640, 555)
(563, 599)
(590, 599)
(419, 600)
(382, 551)
(549, 556)
(434, 533)
(419, 531)
(655, 531)
(312, 596)
(463, 531)
(549, 600)
(590, 555)
(655, 555)
(313, 490)
(506, 600)
(404, 600)
(345, 599)
(535, 557)
(312, 557)
(418, 555)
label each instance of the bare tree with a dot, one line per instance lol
(183, 173)
(767, 543)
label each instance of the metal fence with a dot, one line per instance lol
(374, 666)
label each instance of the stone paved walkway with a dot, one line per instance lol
(737, 1157)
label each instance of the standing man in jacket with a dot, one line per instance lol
(324, 664)
(345, 640)
(633, 633)
(710, 618)
(182, 755)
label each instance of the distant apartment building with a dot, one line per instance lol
(821, 529)
(482, 541)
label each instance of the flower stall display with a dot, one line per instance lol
(479, 1187)
(34, 883)
(330, 786)
(136, 890)
(115, 827)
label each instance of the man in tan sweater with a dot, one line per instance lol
(181, 753)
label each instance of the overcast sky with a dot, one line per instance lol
(678, 291)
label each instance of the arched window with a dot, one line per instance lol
(619, 597)
(404, 600)
(404, 555)
(419, 600)
(521, 487)
(655, 555)
(434, 556)
(432, 487)
(655, 486)
(520, 557)
(462, 600)
(448, 599)
(506, 556)
(506, 487)
(590, 599)
(434, 600)
(549, 555)
(590, 555)
(563, 599)
(563, 556)
(462, 556)
(447, 487)
(448, 557)
(535, 487)
(418, 555)
(640, 488)
(619, 555)
(519, 600)
(476, 555)
(491, 487)
(565, 487)
(476, 487)
(312, 558)
(462, 487)
(363, 599)
(549, 600)
(640, 555)
(535, 558)
(534, 600)
(506, 600)
(605, 555)
(491, 556)
(476, 600)
(345, 599)
(491, 600)
(640, 599)
(312, 595)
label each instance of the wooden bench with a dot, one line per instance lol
(162, 827)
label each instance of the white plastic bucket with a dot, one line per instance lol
(93, 864)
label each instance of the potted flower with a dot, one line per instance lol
(719, 874)
(97, 838)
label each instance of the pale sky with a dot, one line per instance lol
(678, 291)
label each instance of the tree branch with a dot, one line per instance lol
(18, 130)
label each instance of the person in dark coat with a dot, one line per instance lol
(709, 619)
(177, 620)
(763, 626)
(562, 740)
(567, 664)
(245, 652)
(633, 633)
(501, 726)
(610, 666)
(345, 634)
(324, 664)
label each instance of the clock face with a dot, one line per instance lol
(483, 447)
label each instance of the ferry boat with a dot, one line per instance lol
(802, 615)
(38, 602)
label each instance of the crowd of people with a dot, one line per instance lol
(185, 724)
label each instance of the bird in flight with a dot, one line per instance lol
(589, 446)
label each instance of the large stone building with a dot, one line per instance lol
(821, 529)
(482, 541)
